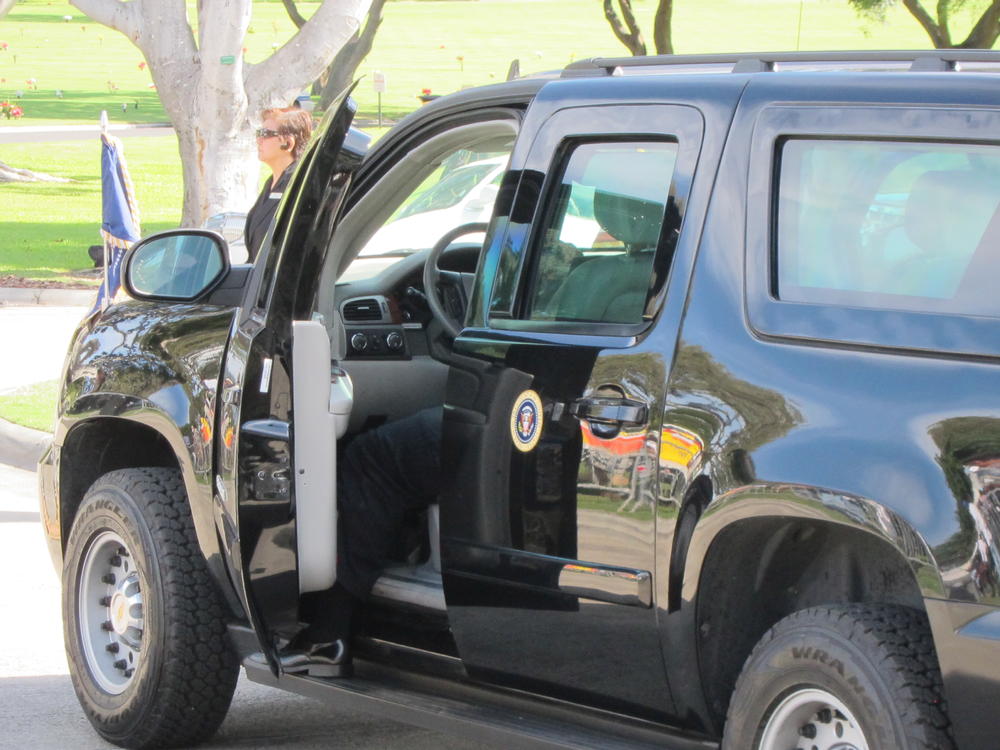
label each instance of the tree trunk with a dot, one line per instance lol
(344, 67)
(662, 22)
(625, 28)
(221, 171)
(341, 72)
(211, 95)
(13, 174)
(5, 6)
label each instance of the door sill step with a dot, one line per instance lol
(484, 714)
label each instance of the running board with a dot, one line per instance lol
(498, 717)
(418, 587)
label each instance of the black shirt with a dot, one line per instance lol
(262, 212)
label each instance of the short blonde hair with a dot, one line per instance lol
(293, 122)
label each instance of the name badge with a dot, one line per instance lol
(274, 196)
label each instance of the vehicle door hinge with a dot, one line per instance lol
(271, 482)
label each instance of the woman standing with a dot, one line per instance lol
(280, 142)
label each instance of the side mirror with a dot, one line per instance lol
(181, 264)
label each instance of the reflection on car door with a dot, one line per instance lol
(549, 528)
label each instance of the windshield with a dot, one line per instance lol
(449, 190)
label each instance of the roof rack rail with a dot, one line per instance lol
(763, 62)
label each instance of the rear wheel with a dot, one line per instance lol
(145, 630)
(852, 677)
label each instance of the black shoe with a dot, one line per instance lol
(317, 659)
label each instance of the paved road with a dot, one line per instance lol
(38, 708)
(44, 133)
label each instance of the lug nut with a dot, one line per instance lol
(825, 716)
(108, 578)
(106, 625)
(105, 601)
(112, 648)
(121, 664)
(116, 561)
(129, 672)
(808, 731)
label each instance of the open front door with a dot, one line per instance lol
(549, 530)
(274, 477)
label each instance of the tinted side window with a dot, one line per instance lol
(598, 243)
(887, 224)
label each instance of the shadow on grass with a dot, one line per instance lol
(16, 15)
(53, 250)
(83, 185)
(88, 105)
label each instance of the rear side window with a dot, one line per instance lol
(890, 225)
(600, 238)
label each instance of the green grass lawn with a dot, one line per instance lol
(31, 405)
(443, 46)
(419, 45)
(47, 227)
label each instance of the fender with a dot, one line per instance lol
(141, 385)
(762, 500)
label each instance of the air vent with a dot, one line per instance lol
(363, 310)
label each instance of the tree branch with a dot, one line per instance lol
(344, 66)
(293, 12)
(14, 174)
(662, 22)
(628, 33)
(939, 36)
(984, 34)
(5, 6)
(942, 13)
(306, 54)
(121, 16)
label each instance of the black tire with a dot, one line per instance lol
(877, 662)
(167, 673)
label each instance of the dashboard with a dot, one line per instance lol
(387, 316)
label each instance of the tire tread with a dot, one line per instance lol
(907, 660)
(199, 668)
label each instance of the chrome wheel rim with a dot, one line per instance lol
(110, 612)
(812, 719)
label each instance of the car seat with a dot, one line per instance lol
(613, 288)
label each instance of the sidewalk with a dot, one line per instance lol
(37, 324)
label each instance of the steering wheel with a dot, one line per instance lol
(434, 276)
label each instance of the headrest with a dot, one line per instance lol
(634, 221)
(948, 210)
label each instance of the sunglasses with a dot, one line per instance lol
(265, 133)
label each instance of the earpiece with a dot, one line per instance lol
(283, 146)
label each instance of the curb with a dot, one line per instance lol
(21, 447)
(10, 295)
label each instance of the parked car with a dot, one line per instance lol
(721, 467)
(230, 224)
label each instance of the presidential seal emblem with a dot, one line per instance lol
(526, 421)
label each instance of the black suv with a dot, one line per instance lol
(717, 340)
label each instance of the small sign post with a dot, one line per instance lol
(378, 83)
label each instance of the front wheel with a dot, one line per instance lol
(851, 677)
(144, 628)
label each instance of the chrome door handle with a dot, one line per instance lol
(621, 412)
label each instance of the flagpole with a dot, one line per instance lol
(104, 240)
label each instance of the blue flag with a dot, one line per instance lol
(119, 216)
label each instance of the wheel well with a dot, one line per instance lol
(760, 570)
(98, 446)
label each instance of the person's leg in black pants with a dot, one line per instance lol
(382, 474)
